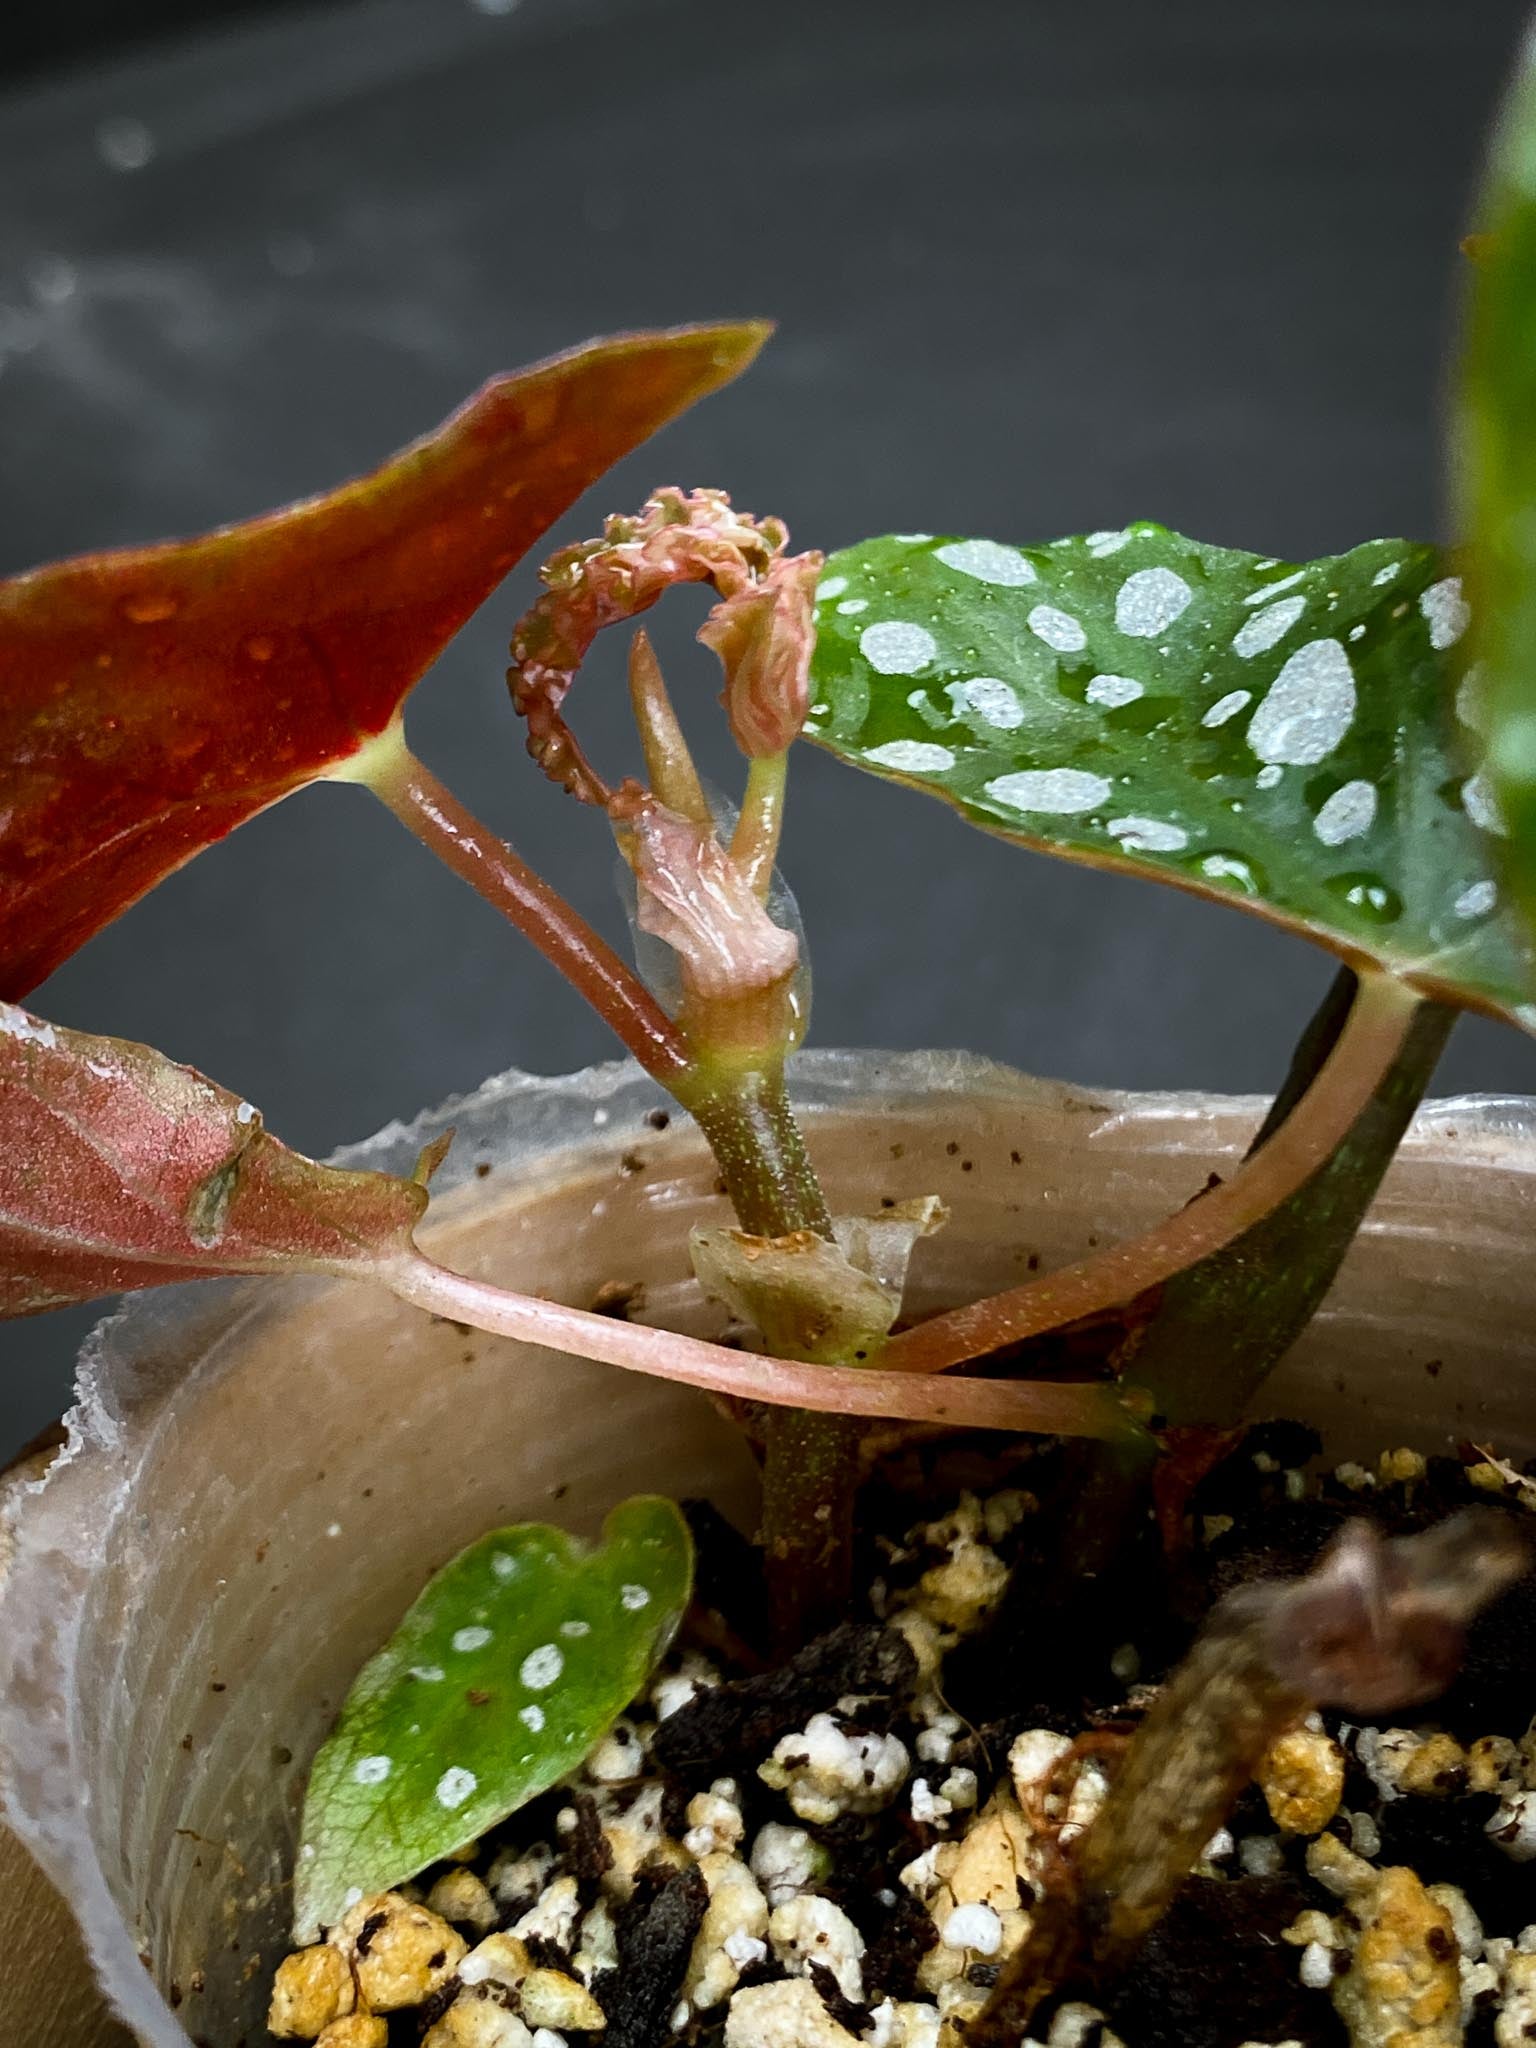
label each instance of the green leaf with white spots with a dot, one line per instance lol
(515, 1660)
(1279, 737)
(1496, 460)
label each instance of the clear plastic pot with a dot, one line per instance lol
(260, 1476)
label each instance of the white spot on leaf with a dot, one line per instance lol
(503, 1567)
(427, 1674)
(1258, 634)
(895, 647)
(851, 606)
(987, 560)
(541, 1667)
(1386, 575)
(1269, 775)
(575, 1628)
(830, 586)
(532, 1718)
(1226, 707)
(371, 1770)
(1470, 708)
(467, 1639)
(455, 1786)
(1477, 900)
(1266, 591)
(1482, 806)
(1446, 612)
(1108, 541)
(917, 757)
(1050, 789)
(633, 1598)
(1057, 629)
(1148, 835)
(1347, 814)
(990, 698)
(1309, 707)
(1148, 602)
(1113, 691)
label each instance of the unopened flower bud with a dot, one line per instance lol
(764, 637)
(693, 896)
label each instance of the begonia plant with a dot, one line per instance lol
(1345, 746)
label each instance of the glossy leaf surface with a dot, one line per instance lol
(1279, 737)
(515, 1660)
(1496, 463)
(151, 699)
(120, 1169)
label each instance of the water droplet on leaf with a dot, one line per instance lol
(1368, 894)
(1233, 871)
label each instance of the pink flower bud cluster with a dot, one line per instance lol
(761, 629)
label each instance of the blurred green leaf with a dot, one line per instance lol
(1496, 461)
(1279, 737)
(514, 1661)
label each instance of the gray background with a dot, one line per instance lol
(1039, 266)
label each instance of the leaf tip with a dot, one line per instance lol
(431, 1157)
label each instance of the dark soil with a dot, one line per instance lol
(1216, 1972)
(656, 1934)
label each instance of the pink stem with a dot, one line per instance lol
(1042, 1408)
(1371, 1039)
(475, 853)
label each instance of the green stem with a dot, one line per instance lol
(668, 763)
(755, 845)
(760, 1150)
(810, 1461)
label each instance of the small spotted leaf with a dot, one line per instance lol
(514, 1661)
(1275, 736)
(1496, 465)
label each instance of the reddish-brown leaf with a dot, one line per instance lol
(122, 1170)
(151, 699)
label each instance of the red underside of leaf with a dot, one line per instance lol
(122, 1170)
(152, 699)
